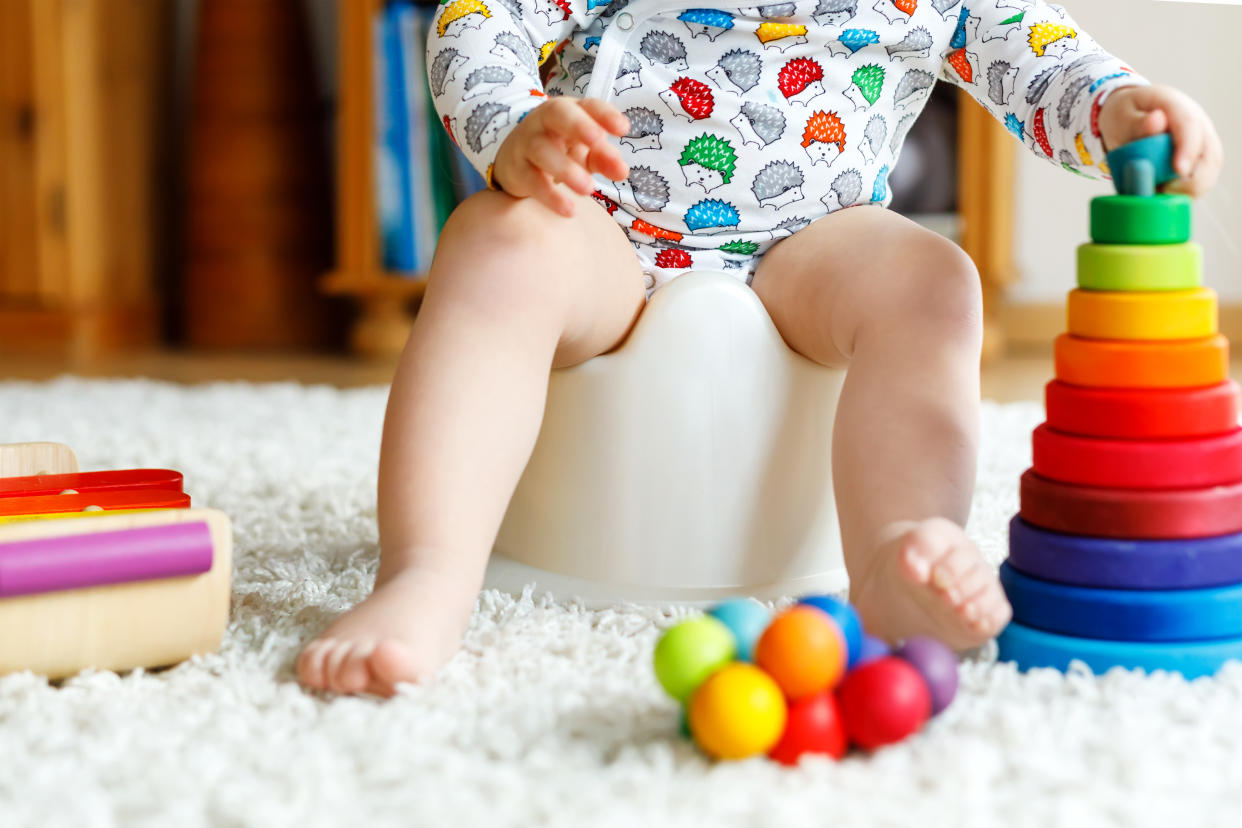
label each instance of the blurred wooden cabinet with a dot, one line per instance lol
(985, 201)
(82, 83)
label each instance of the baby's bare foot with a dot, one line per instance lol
(929, 578)
(408, 627)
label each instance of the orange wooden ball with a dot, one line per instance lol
(803, 649)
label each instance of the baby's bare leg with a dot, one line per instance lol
(514, 290)
(901, 306)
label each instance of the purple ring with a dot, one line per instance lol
(1119, 563)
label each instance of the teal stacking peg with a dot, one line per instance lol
(1141, 166)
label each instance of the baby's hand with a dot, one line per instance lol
(1138, 111)
(561, 141)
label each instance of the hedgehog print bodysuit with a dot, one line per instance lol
(747, 123)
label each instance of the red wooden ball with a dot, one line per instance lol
(813, 726)
(882, 702)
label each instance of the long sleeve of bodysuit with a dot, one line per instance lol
(1039, 74)
(483, 59)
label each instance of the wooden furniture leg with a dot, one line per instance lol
(985, 202)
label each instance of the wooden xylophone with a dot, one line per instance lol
(105, 569)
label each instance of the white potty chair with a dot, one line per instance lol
(691, 464)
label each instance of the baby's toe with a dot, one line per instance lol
(352, 672)
(916, 561)
(390, 664)
(332, 661)
(971, 584)
(923, 548)
(311, 661)
(1002, 613)
(988, 611)
(952, 570)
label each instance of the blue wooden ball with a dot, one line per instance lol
(746, 618)
(872, 648)
(847, 619)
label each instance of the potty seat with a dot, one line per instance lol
(691, 463)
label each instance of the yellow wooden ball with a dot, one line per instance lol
(739, 711)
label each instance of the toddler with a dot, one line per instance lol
(751, 139)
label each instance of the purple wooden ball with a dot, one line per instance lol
(936, 663)
(872, 648)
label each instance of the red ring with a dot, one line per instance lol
(1138, 464)
(1142, 412)
(1130, 513)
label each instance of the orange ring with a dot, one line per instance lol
(1107, 363)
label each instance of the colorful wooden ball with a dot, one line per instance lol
(803, 649)
(691, 651)
(936, 663)
(813, 726)
(746, 618)
(847, 619)
(883, 702)
(872, 648)
(737, 712)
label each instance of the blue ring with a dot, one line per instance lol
(1030, 648)
(1124, 614)
(1118, 563)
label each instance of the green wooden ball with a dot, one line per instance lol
(691, 651)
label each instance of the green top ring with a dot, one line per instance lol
(1128, 219)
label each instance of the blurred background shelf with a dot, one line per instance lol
(384, 298)
(82, 145)
(98, 106)
(113, 236)
(385, 312)
(258, 200)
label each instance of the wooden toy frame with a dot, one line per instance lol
(24, 459)
(118, 626)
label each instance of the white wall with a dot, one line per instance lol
(1196, 47)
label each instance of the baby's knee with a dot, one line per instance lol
(944, 292)
(489, 223)
(495, 249)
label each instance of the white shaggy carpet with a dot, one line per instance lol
(550, 714)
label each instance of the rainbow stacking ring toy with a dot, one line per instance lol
(1127, 548)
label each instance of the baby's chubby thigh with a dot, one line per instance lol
(866, 274)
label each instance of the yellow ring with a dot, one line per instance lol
(1175, 314)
